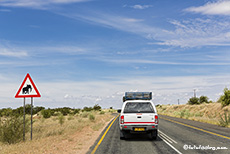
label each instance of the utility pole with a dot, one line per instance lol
(178, 101)
(194, 92)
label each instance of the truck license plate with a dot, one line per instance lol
(139, 129)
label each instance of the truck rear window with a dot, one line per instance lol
(139, 107)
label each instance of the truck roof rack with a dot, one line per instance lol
(137, 96)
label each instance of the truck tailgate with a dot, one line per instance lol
(139, 118)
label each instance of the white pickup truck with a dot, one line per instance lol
(138, 115)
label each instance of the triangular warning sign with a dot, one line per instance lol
(27, 89)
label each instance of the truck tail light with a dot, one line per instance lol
(156, 119)
(122, 119)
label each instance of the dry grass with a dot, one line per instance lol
(75, 135)
(208, 113)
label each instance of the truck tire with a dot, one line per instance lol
(122, 135)
(153, 135)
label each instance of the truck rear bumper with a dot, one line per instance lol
(133, 127)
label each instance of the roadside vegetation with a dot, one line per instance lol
(201, 109)
(53, 129)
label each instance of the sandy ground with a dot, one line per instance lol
(80, 142)
(77, 143)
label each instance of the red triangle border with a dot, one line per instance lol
(35, 88)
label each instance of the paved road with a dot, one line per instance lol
(174, 136)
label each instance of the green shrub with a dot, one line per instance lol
(187, 114)
(87, 109)
(37, 109)
(111, 110)
(102, 112)
(164, 109)
(76, 111)
(6, 112)
(158, 106)
(198, 114)
(224, 119)
(46, 113)
(19, 111)
(70, 117)
(57, 113)
(225, 99)
(176, 113)
(65, 110)
(193, 100)
(220, 99)
(182, 113)
(85, 114)
(203, 99)
(91, 117)
(97, 107)
(11, 130)
(61, 119)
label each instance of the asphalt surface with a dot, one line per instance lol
(175, 136)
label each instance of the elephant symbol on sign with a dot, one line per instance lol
(27, 89)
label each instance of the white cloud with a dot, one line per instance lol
(71, 50)
(146, 61)
(141, 7)
(126, 24)
(12, 53)
(221, 7)
(197, 32)
(186, 33)
(12, 50)
(167, 90)
(39, 4)
(131, 20)
(14, 56)
(99, 99)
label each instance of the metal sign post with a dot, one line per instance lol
(24, 125)
(27, 89)
(31, 133)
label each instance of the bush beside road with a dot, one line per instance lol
(72, 133)
(213, 113)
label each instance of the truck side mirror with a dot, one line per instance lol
(119, 110)
(124, 99)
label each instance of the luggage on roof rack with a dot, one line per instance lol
(137, 96)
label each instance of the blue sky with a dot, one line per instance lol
(86, 52)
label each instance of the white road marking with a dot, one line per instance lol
(166, 136)
(167, 139)
(171, 146)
